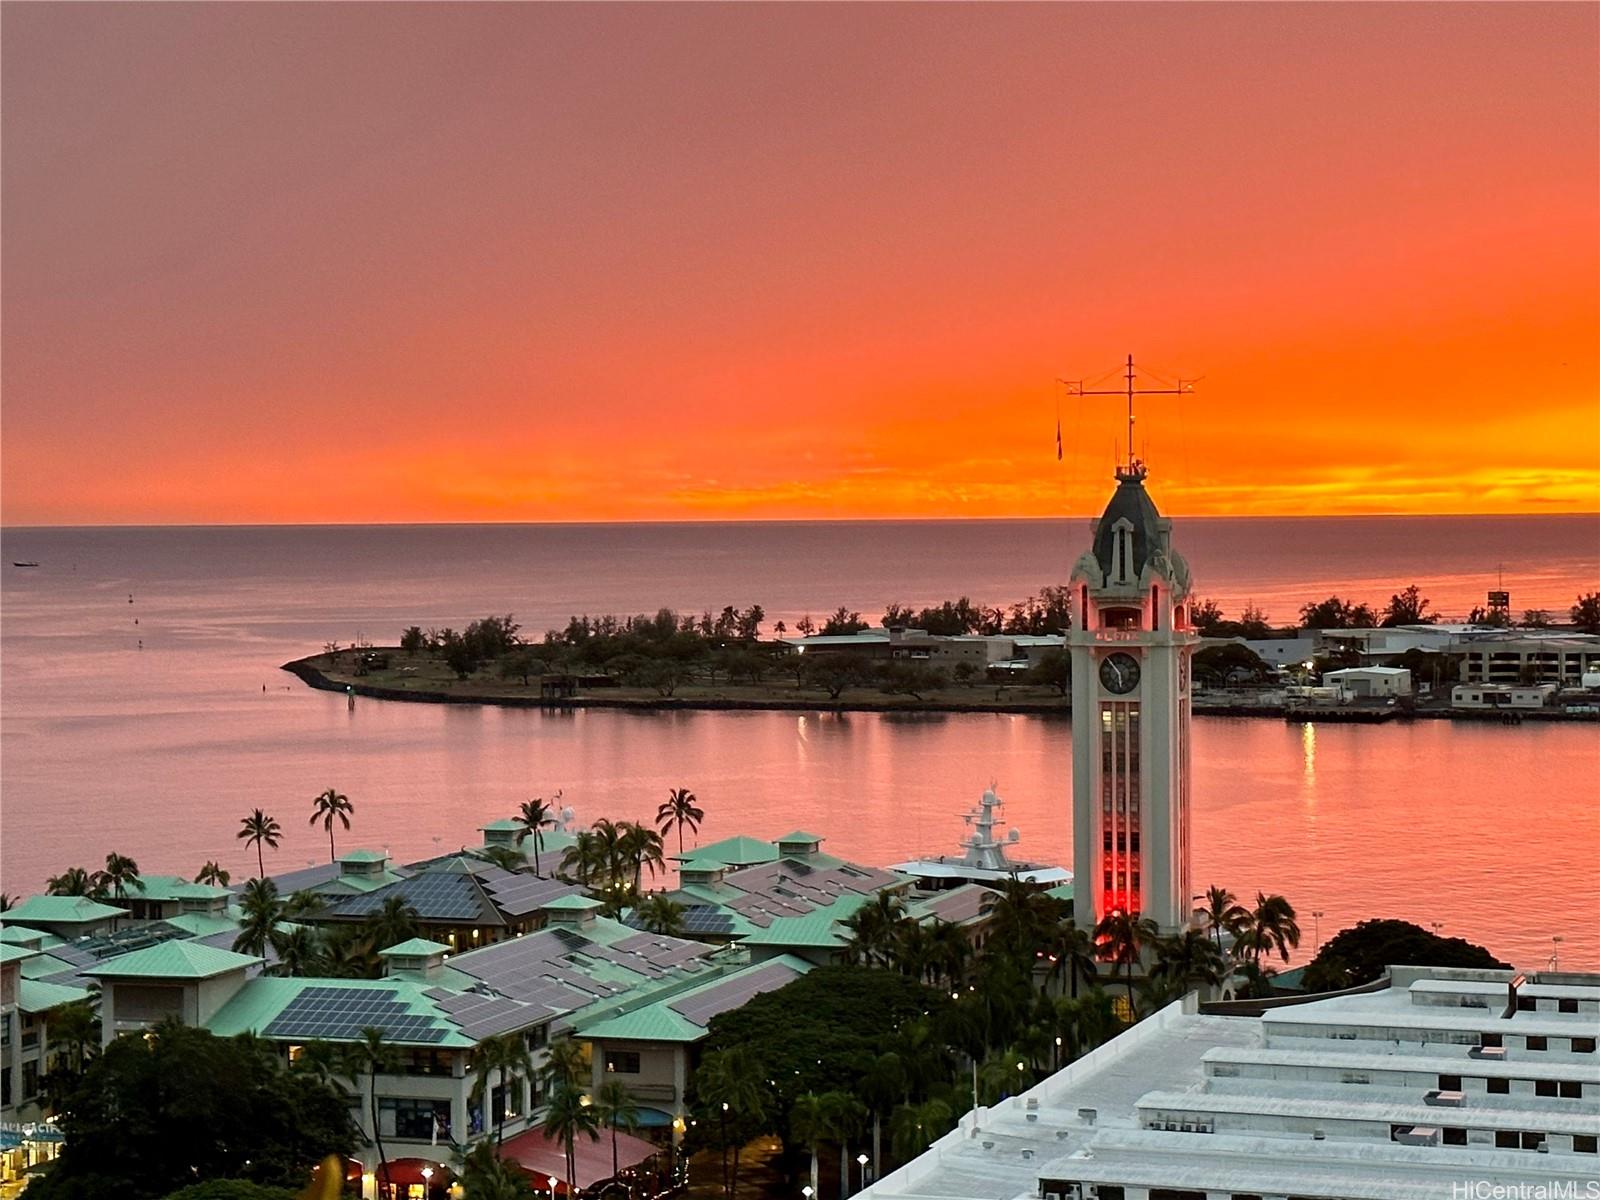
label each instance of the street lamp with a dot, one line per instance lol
(1316, 928)
(1555, 951)
(552, 1180)
(807, 1192)
(427, 1179)
(861, 1161)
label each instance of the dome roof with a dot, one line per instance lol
(1132, 503)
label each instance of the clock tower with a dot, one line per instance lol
(1130, 645)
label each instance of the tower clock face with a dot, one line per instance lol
(1119, 673)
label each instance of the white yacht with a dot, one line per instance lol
(983, 858)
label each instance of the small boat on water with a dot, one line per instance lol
(983, 859)
(15, 563)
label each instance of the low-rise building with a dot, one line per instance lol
(1501, 695)
(1393, 1091)
(1362, 683)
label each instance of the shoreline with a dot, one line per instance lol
(313, 676)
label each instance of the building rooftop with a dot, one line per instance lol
(36, 996)
(174, 887)
(681, 1015)
(1292, 1103)
(414, 948)
(177, 959)
(731, 852)
(62, 910)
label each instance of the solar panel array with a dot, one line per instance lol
(436, 895)
(484, 1016)
(340, 1014)
(787, 888)
(521, 893)
(697, 919)
(700, 1008)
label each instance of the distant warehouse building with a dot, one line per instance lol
(1370, 681)
(1500, 695)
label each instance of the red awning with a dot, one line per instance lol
(537, 1152)
(404, 1171)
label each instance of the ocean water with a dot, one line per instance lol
(141, 709)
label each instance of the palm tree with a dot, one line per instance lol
(74, 881)
(564, 1065)
(1188, 958)
(808, 1125)
(120, 874)
(373, 1056)
(913, 1127)
(1022, 918)
(911, 950)
(304, 903)
(74, 1027)
(1072, 951)
(873, 927)
(1272, 926)
(1223, 913)
(680, 811)
(949, 953)
(1120, 938)
(583, 858)
(505, 1056)
(262, 910)
(661, 914)
(329, 807)
(504, 857)
(882, 1083)
(566, 1115)
(8, 901)
(641, 846)
(259, 829)
(845, 1117)
(614, 1106)
(299, 951)
(394, 923)
(213, 874)
(608, 851)
(318, 1059)
(485, 1175)
(534, 818)
(731, 1081)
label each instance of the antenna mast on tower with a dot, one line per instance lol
(1075, 387)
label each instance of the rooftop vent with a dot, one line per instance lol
(1088, 1115)
(1488, 1053)
(1417, 1135)
(1033, 1103)
(1440, 1098)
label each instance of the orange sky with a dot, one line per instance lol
(408, 262)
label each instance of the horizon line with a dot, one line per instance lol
(885, 520)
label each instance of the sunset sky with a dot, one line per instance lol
(523, 262)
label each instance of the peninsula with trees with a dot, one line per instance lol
(956, 656)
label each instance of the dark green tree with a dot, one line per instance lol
(152, 1114)
(1361, 953)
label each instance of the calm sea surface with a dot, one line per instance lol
(157, 752)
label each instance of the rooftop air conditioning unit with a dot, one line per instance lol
(1418, 1135)
(1033, 1103)
(1033, 1118)
(1088, 1115)
(1026, 1155)
(1488, 1053)
(1444, 1099)
(1318, 1135)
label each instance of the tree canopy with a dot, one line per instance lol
(151, 1115)
(1359, 954)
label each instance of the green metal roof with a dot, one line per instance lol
(22, 935)
(816, 928)
(799, 835)
(174, 887)
(44, 964)
(1062, 891)
(10, 953)
(572, 903)
(414, 948)
(173, 960)
(731, 852)
(255, 1006)
(63, 910)
(201, 924)
(34, 996)
(505, 826)
(363, 856)
(658, 1021)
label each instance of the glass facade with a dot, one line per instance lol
(1121, 886)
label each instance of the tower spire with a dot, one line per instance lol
(1133, 468)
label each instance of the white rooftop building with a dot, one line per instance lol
(1436, 1077)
